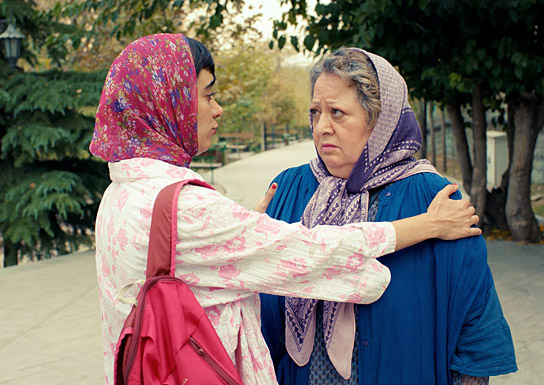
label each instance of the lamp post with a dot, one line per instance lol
(12, 44)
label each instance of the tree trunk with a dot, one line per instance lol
(495, 213)
(478, 191)
(433, 142)
(528, 121)
(423, 127)
(10, 254)
(510, 128)
(461, 144)
(443, 131)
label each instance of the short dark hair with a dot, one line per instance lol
(201, 57)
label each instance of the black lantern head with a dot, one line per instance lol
(12, 44)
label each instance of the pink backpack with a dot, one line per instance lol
(167, 337)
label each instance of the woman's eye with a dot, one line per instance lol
(313, 112)
(336, 112)
(211, 96)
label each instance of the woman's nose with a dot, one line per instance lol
(217, 110)
(323, 125)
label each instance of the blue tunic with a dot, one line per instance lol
(440, 312)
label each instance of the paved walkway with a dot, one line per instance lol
(50, 319)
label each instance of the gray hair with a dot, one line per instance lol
(357, 69)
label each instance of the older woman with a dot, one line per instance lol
(156, 112)
(440, 319)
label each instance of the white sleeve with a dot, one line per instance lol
(225, 247)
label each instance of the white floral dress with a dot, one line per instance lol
(227, 254)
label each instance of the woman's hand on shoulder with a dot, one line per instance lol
(452, 219)
(263, 203)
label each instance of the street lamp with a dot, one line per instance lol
(12, 44)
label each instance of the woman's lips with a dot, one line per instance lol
(327, 148)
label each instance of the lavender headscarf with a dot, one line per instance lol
(386, 158)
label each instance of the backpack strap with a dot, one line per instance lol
(161, 255)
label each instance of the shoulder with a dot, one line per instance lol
(425, 185)
(146, 169)
(419, 190)
(296, 180)
(411, 196)
(296, 186)
(295, 173)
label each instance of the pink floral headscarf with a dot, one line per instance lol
(148, 107)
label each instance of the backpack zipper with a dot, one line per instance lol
(211, 361)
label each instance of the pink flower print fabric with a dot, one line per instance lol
(149, 105)
(227, 255)
(376, 236)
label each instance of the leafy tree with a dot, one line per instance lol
(49, 186)
(243, 77)
(244, 87)
(254, 87)
(286, 100)
(111, 25)
(477, 56)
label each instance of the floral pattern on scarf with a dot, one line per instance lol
(386, 158)
(148, 107)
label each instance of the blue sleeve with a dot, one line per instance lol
(469, 313)
(485, 345)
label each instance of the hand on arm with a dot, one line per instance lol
(445, 218)
(263, 203)
(452, 219)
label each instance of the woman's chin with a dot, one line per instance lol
(338, 170)
(202, 148)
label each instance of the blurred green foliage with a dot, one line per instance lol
(50, 186)
(470, 55)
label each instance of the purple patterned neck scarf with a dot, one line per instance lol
(386, 158)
